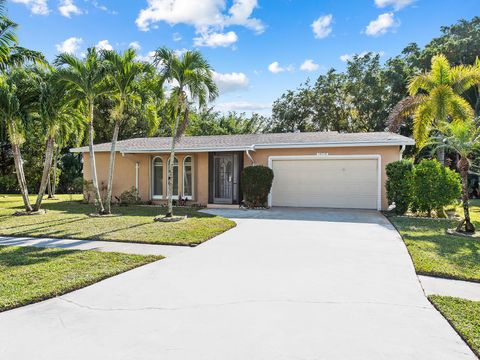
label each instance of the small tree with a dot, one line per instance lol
(435, 186)
(400, 185)
(256, 184)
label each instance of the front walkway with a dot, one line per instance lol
(446, 287)
(284, 284)
(106, 246)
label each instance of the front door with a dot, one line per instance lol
(223, 179)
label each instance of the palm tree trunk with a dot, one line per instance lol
(441, 156)
(53, 184)
(22, 183)
(46, 171)
(111, 167)
(93, 167)
(171, 166)
(469, 228)
(49, 187)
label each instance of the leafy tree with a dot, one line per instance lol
(463, 137)
(191, 78)
(85, 81)
(17, 96)
(123, 71)
(55, 111)
(435, 98)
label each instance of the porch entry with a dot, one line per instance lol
(224, 177)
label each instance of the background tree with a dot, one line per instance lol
(85, 81)
(436, 98)
(191, 79)
(17, 96)
(123, 72)
(55, 111)
(463, 137)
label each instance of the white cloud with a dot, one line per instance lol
(201, 14)
(135, 45)
(176, 37)
(146, 58)
(242, 106)
(68, 7)
(104, 45)
(70, 45)
(276, 68)
(397, 4)
(39, 7)
(216, 39)
(309, 65)
(322, 27)
(229, 82)
(347, 57)
(382, 24)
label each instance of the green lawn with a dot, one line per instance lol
(437, 254)
(29, 274)
(464, 315)
(70, 219)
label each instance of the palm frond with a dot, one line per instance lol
(404, 108)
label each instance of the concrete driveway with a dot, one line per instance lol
(284, 284)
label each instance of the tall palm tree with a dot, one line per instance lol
(191, 79)
(85, 81)
(55, 110)
(435, 97)
(17, 96)
(463, 137)
(123, 73)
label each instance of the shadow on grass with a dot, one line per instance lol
(20, 256)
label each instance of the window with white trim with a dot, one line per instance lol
(157, 173)
(188, 177)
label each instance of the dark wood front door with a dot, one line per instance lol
(223, 179)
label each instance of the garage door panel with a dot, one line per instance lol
(340, 183)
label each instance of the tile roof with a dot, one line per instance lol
(258, 141)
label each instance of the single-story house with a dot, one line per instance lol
(316, 169)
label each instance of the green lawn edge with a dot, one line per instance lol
(25, 280)
(464, 317)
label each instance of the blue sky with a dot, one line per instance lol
(258, 48)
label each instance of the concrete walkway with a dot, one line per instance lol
(106, 246)
(456, 288)
(284, 284)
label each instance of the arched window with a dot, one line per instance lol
(157, 173)
(188, 177)
(175, 177)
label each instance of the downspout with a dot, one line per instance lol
(249, 155)
(137, 165)
(402, 149)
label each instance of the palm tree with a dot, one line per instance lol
(123, 73)
(190, 77)
(463, 137)
(435, 98)
(12, 55)
(55, 110)
(17, 96)
(85, 81)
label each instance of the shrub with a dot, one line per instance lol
(129, 197)
(435, 186)
(9, 184)
(256, 184)
(400, 185)
(77, 186)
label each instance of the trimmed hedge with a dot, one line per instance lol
(424, 187)
(256, 184)
(436, 186)
(400, 185)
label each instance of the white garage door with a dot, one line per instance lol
(327, 182)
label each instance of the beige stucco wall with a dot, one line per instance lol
(124, 177)
(124, 173)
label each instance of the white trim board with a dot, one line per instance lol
(377, 157)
